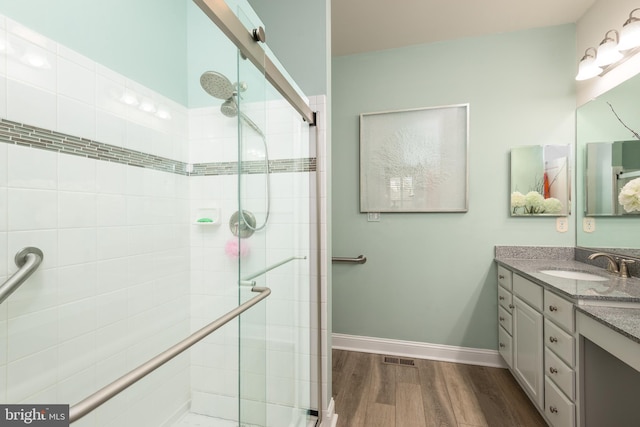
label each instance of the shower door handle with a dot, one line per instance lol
(27, 259)
(360, 259)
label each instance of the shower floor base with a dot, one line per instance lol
(196, 420)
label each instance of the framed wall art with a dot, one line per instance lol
(415, 160)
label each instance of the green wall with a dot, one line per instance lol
(297, 33)
(430, 277)
(145, 40)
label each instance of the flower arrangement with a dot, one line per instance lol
(629, 196)
(534, 203)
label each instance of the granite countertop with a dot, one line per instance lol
(625, 321)
(612, 289)
(589, 297)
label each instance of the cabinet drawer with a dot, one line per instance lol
(505, 320)
(505, 299)
(528, 291)
(561, 374)
(505, 345)
(559, 310)
(559, 410)
(504, 277)
(560, 342)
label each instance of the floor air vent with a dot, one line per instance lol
(398, 361)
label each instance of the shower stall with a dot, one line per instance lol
(160, 259)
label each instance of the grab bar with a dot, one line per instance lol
(625, 175)
(90, 403)
(247, 280)
(361, 259)
(27, 259)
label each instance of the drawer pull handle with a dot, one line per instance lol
(553, 409)
(502, 345)
(553, 370)
(553, 308)
(501, 298)
(501, 319)
(501, 277)
(553, 339)
(511, 306)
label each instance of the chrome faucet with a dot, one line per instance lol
(615, 265)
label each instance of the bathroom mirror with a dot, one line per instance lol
(611, 172)
(612, 116)
(540, 180)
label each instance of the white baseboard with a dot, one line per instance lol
(448, 353)
(330, 418)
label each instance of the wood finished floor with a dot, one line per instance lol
(370, 393)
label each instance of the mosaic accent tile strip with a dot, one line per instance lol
(44, 139)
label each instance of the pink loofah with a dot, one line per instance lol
(234, 249)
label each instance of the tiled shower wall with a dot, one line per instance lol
(277, 340)
(126, 272)
(113, 289)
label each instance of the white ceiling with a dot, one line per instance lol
(368, 25)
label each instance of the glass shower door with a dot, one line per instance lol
(274, 184)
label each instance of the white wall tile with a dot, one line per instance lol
(38, 292)
(111, 177)
(29, 168)
(45, 240)
(3, 210)
(31, 106)
(111, 210)
(3, 163)
(32, 64)
(4, 257)
(3, 88)
(111, 308)
(76, 81)
(76, 173)
(110, 129)
(113, 242)
(76, 118)
(112, 275)
(76, 282)
(32, 209)
(77, 354)
(76, 209)
(26, 377)
(77, 246)
(32, 333)
(76, 319)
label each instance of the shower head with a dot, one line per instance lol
(229, 108)
(216, 85)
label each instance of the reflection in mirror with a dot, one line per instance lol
(612, 116)
(540, 180)
(611, 178)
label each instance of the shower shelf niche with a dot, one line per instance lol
(207, 216)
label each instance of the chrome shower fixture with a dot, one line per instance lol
(219, 86)
(216, 85)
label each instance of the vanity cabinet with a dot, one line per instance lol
(505, 318)
(536, 336)
(528, 349)
(559, 339)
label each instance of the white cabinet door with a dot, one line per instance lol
(528, 349)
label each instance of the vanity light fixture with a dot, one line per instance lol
(608, 52)
(587, 68)
(630, 33)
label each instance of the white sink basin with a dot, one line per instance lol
(576, 275)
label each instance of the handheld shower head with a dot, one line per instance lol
(216, 85)
(229, 108)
